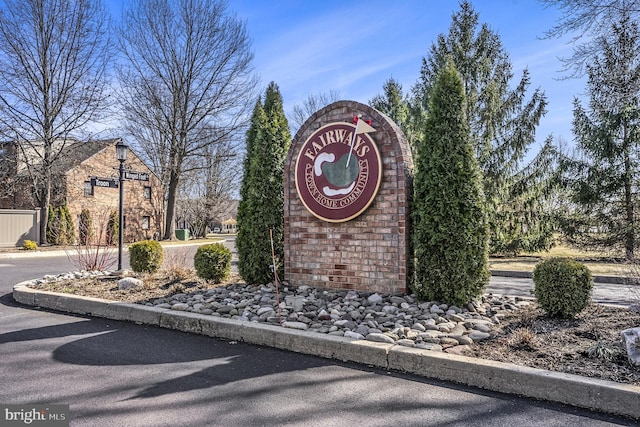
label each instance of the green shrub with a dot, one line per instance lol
(562, 286)
(601, 350)
(29, 245)
(66, 232)
(112, 229)
(85, 227)
(146, 256)
(213, 262)
(60, 227)
(52, 226)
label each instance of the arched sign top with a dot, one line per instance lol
(338, 172)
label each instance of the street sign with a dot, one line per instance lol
(104, 182)
(138, 176)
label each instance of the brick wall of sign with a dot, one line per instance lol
(370, 252)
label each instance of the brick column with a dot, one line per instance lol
(371, 252)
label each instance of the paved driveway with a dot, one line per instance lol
(121, 374)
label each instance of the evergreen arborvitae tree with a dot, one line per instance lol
(249, 195)
(261, 207)
(502, 122)
(450, 227)
(70, 226)
(52, 226)
(112, 228)
(85, 227)
(65, 232)
(60, 230)
(603, 174)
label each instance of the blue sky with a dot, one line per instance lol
(309, 47)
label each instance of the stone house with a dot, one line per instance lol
(80, 170)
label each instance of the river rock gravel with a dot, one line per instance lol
(397, 319)
(401, 320)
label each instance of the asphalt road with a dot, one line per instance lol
(603, 293)
(12, 269)
(117, 373)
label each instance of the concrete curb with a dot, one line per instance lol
(594, 394)
(31, 254)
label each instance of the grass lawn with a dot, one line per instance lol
(599, 263)
(211, 238)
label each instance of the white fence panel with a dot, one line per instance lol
(16, 226)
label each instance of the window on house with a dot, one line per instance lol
(147, 193)
(88, 188)
(146, 220)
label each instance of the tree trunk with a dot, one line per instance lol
(44, 212)
(630, 227)
(45, 198)
(628, 201)
(169, 225)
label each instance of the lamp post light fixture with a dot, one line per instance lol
(121, 154)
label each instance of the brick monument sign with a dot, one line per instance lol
(347, 199)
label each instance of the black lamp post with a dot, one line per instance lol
(121, 153)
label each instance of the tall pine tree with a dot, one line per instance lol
(450, 227)
(261, 208)
(603, 174)
(502, 122)
(395, 104)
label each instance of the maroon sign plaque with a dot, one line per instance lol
(338, 177)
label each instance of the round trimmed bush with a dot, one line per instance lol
(562, 286)
(213, 262)
(146, 256)
(29, 245)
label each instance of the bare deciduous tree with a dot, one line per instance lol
(53, 60)
(585, 20)
(187, 83)
(313, 103)
(208, 192)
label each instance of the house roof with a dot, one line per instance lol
(69, 156)
(77, 152)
